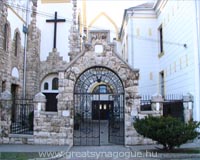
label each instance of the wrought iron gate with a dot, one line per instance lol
(22, 116)
(98, 108)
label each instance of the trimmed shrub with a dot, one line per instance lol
(167, 131)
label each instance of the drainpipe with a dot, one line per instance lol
(197, 112)
(25, 30)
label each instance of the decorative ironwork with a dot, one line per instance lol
(99, 108)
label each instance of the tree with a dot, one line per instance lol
(168, 131)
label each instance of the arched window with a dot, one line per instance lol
(16, 43)
(46, 86)
(102, 89)
(5, 41)
(55, 84)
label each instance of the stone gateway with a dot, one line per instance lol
(92, 84)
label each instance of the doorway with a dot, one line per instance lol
(98, 108)
(101, 110)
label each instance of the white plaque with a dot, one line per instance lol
(65, 113)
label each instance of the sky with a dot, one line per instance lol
(114, 9)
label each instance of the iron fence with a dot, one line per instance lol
(172, 105)
(22, 115)
(173, 97)
(145, 103)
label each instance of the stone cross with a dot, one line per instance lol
(55, 21)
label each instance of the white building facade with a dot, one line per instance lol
(161, 40)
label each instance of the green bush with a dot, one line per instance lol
(167, 131)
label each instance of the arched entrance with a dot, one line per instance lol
(98, 108)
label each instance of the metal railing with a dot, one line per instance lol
(145, 103)
(22, 115)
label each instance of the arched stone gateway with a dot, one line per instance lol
(97, 99)
(85, 86)
(98, 108)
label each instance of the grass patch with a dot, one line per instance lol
(17, 156)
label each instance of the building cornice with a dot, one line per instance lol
(55, 1)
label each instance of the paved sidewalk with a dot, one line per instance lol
(30, 148)
(50, 148)
(115, 152)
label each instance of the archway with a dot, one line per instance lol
(98, 108)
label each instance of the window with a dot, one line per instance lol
(160, 30)
(162, 83)
(102, 89)
(16, 43)
(3, 86)
(5, 41)
(49, 88)
(55, 84)
(46, 86)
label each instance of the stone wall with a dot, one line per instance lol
(33, 55)
(5, 114)
(53, 64)
(50, 127)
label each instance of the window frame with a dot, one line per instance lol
(46, 86)
(5, 41)
(16, 44)
(54, 83)
(161, 43)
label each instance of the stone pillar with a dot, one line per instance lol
(39, 103)
(39, 106)
(66, 107)
(74, 37)
(33, 54)
(157, 103)
(188, 107)
(5, 114)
